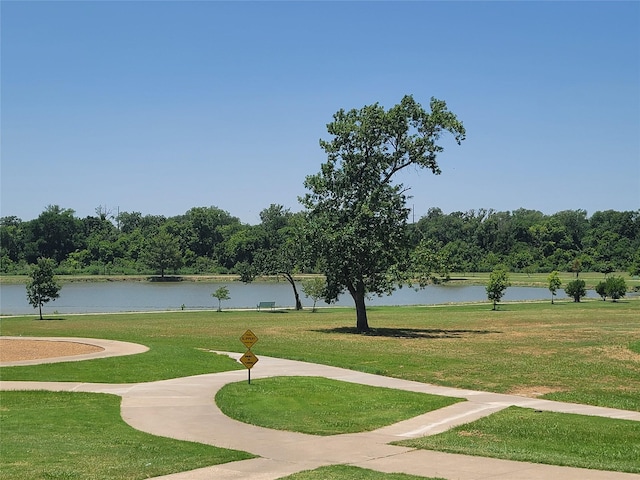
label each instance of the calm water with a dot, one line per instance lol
(142, 296)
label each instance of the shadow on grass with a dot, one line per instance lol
(409, 332)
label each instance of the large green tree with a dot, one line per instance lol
(357, 214)
(42, 285)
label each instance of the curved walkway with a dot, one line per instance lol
(183, 408)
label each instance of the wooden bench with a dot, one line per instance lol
(270, 305)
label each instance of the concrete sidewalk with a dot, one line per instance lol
(183, 408)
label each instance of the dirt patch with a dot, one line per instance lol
(535, 391)
(12, 350)
(619, 352)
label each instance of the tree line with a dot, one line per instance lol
(208, 240)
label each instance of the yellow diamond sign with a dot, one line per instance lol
(249, 359)
(248, 338)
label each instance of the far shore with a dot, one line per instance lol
(458, 278)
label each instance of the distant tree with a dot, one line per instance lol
(208, 228)
(11, 240)
(576, 289)
(576, 266)
(54, 234)
(429, 263)
(607, 268)
(554, 282)
(615, 287)
(357, 212)
(162, 253)
(285, 252)
(246, 271)
(222, 293)
(314, 288)
(634, 267)
(498, 284)
(42, 286)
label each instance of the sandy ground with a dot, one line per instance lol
(13, 350)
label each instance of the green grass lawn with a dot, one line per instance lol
(68, 436)
(535, 349)
(345, 472)
(528, 348)
(544, 437)
(321, 406)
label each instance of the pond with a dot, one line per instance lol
(108, 297)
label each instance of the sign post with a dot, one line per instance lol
(248, 359)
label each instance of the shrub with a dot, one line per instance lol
(615, 287)
(576, 289)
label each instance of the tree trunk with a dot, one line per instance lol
(358, 294)
(289, 278)
(40, 309)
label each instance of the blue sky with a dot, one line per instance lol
(161, 106)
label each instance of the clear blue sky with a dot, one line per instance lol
(161, 106)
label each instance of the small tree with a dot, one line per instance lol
(554, 283)
(576, 266)
(601, 289)
(498, 283)
(314, 288)
(576, 289)
(615, 287)
(43, 286)
(221, 293)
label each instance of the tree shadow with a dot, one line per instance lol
(408, 332)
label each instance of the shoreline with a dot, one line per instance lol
(457, 278)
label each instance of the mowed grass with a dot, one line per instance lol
(534, 349)
(321, 406)
(346, 472)
(544, 437)
(67, 436)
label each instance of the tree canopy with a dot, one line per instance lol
(357, 214)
